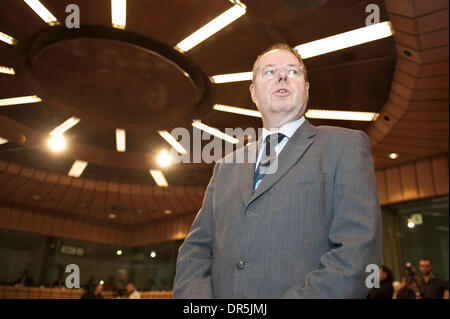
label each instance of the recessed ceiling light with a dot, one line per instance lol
(7, 70)
(208, 129)
(120, 140)
(410, 223)
(77, 168)
(153, 254)
(119, 252)
(345, 40)
(231, 77)
(65, 126)
(57, 143)
(173, 142)
(119, 13)
(164, 159)
(20, 100)
(393, 155)
(101, 282)
(7, 38)
(167, 212)
(112, 216)
(341, 115)
(42, 11)
(3, 141)
(212, 27)
(159, 178)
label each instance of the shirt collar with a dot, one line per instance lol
(287, 129)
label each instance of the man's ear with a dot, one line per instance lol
(307, 90)
(252, 92)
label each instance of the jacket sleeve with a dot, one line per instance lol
(355, 235)
(193, 269)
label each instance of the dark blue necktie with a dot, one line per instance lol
(267, 157)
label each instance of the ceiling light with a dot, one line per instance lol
(159, 178)
(164, 158)
(77, 168)
(345, 40)
(208, 129)
(393, 155)
(20, 100)
(3, 141)
(42, 12)
(7, 38)
(6, 70)
(57, 143)
(120, 140)
(231, 77)
(119, 252)
(341, 115)
(167, 212)
(112, 216)
(119, 13)
(212, 27)
(173, 142)
(410, 223)
(237, 110)
(65, 126)
(153, 254)
(101, 282)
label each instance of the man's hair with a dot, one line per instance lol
(426, 259)
(281, 46)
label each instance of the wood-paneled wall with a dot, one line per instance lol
(58, 225)
(414, 180)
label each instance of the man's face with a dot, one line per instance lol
(279, 93)
(425, 267)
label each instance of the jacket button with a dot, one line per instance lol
(240, 265)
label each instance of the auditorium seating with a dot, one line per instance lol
(13, 292)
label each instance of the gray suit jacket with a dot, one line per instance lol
(308, 231)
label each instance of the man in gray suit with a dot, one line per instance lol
(308, 228)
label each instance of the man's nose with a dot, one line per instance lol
(282, 75)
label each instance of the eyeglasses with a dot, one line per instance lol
(271, 71)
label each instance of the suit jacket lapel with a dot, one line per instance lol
(247, 171)
(291, 153)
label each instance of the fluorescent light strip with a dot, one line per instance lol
(77, 168)
(42, 11)
(7, 39)
(65, 126)
(6, 70)
(311, 113)
(212, 27)
(345, 40)
(159, 178)
(173, 142)
(341, 115)
(231, 77)
(236, 110)
(3, 141)
(119, 13)
(322, 46)
(20, 100)
(120, 140)
(208, 129)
